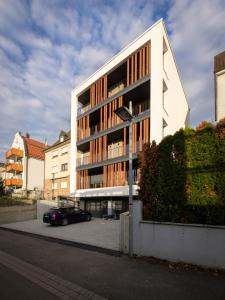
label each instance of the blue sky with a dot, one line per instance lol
(47, 47)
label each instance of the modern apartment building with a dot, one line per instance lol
(219, 75)
(144, 73)
(25, 164)
(57, 162)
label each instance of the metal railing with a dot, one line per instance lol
(83, 109)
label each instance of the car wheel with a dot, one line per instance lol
(88, 218)
(64, 222)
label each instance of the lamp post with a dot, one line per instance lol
(127, 115)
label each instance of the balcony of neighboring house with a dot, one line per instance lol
(14, 167)
(13, 152)
(17, 182)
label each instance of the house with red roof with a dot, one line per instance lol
(24, 169)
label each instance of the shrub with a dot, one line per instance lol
(185, 179)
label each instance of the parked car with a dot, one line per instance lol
(66, 215)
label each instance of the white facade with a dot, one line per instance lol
(220, 95)
(168, 104)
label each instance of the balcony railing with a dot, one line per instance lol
(116, 88)
(83, 109)
(14, 182)
(13, 167)
(14, 152)
(110, 154)
(83, 160)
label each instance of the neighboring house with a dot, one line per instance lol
(145, 73)
(57, 162)
(2, 170)
(219, 74)
(25, 164)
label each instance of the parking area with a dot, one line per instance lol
(97, 232)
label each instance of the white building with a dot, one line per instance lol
(145, 73)
(25, 164)
(219, 73)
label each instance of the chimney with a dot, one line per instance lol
(46, 143)
(28, 135)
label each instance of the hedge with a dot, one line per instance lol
(185, 179)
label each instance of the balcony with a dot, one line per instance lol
(13, 152)
(14, 182)
(13, 167)
(110, 154)
(83, 109)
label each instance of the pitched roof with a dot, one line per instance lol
(58, 142)
(34, 148)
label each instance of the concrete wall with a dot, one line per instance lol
(197, 244)
(16, 213)
(35, 174)
(124, 232)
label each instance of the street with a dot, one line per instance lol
(104, 275)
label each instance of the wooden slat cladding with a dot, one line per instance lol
(98, 91)
(107, 118)
(138, 64)
(144, 133)
(114, 174)
(98, 149)
(82, 180)
(83, 127)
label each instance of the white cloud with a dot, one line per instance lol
(48, 47)
(197, 35)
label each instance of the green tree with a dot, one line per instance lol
(147, 184)
(2, 187)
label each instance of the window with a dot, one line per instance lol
(64, 150)
(64, 167)
(54, 169)
(55, 154)
(64, 185)
(54, 185)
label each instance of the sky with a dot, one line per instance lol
(48, 47)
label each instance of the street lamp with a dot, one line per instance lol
(127, 115)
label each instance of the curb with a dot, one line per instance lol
(66, 242)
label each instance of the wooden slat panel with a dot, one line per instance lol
(128, 72)
(132, 69)
(124, 140)
(140, 137)
(144, 57)
(135, 66)
(110, 115)
(148, 137)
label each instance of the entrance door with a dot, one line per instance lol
(97, 208)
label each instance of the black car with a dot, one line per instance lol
(66, 215)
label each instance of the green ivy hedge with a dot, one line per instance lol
(185, 182)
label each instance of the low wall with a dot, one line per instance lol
(197, 244)
(16, 213)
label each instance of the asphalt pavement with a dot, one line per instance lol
(104, 275)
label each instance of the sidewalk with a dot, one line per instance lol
(116, 278)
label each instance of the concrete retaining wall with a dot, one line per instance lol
(16, 213)
(197, 244)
